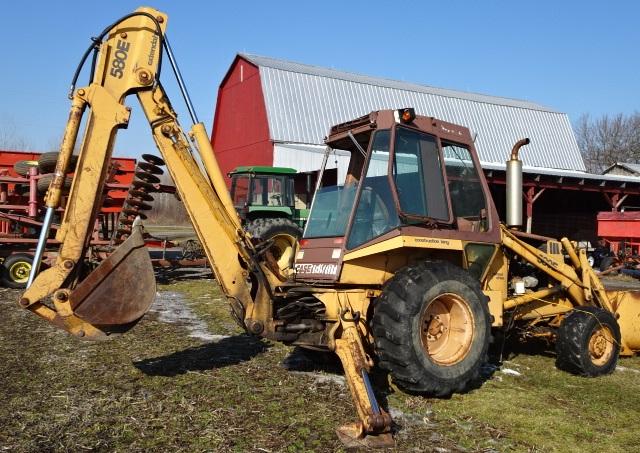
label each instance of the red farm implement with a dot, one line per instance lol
(621, 232)
(24, 179)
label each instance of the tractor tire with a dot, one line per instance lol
(432, 329)
(47, 162)
(588, 342)
(283, 232)
(606, 263)
(15, 270)
(22, 166)
(43, 183)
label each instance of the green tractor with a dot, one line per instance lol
(269, 206)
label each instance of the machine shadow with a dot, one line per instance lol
(303, 360)
(309, 361)
(226, 352)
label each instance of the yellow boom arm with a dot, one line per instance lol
(120, 290)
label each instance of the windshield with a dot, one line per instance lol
(330, 213)
(268, 190)
(333, 202)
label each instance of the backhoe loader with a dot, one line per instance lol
(403, 265)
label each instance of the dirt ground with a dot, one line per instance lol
(186, 378)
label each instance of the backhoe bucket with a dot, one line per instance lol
(119, 291)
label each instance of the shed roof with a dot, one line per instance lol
(303, 101)
(632, 168)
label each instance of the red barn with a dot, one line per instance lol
(274, 112)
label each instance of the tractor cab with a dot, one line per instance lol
(412, 188)
(266, 192)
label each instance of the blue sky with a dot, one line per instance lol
(575, 56)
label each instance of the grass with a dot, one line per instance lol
(158, 388)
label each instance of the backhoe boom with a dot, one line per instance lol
(128, 63)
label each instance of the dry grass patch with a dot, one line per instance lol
(159, 387)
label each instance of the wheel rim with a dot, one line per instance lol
(601, 345)
(282, 250)
(19, 272)
(446, 329)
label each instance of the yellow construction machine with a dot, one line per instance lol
(403, 264)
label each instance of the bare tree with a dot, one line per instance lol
(167, 209)
(609, 139)
(10, 139)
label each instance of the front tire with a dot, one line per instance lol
(588, 342)
(432, 328)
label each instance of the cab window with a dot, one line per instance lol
(417, 174)
(465, 189)
(375, 213)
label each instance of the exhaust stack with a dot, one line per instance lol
(514, 186)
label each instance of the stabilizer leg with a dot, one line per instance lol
(373, 430)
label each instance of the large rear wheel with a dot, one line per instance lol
(282, 235)
(432, 328)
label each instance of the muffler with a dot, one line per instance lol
(514, 186)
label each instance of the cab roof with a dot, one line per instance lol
(263, 170)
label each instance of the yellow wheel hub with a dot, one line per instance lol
(446, 329)
(282, 250)
(601, 346)
(19, 272)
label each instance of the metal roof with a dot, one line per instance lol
(633, 168)
(303, 101)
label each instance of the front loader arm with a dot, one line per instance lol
(116, 294)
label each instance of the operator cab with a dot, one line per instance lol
(261, 191)
(408, 176)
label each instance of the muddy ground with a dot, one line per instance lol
(186, 378)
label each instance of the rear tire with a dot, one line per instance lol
(432, 328)
(44, 182)
(588, 342)
(47, 162)
(284, 234)
(16, 270)
(22, 167)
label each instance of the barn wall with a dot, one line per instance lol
(240, 130)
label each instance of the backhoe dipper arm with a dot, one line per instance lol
(114, 296)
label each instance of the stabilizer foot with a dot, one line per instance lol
(352, 435)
